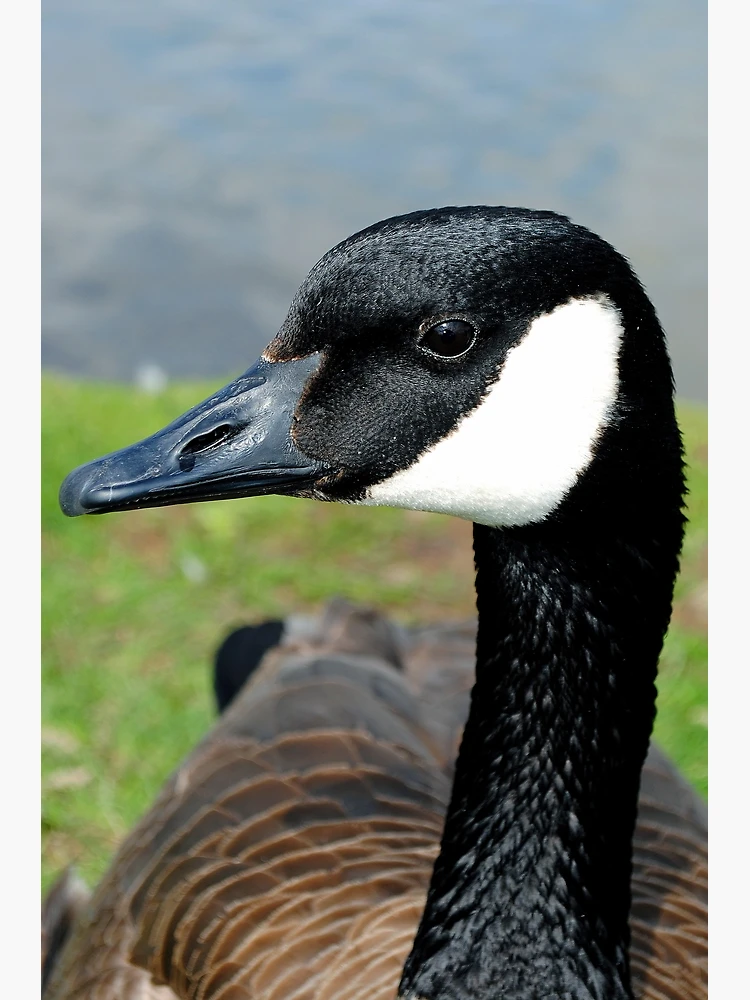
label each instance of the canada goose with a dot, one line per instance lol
(504, 366)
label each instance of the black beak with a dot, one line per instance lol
(237, 443)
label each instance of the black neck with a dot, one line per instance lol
(531, 892)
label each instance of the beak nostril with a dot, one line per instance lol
(203, 442)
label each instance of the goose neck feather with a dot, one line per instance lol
(531, 891)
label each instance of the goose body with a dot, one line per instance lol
(504, 366)
(338, 822)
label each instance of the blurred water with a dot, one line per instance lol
(199, 157)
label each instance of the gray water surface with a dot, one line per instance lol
(199, 157)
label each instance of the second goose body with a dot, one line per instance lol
(504, 366)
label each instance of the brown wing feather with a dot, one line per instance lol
(669, 913)
(439, 666)
(289, 856)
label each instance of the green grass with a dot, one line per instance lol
(135, 604)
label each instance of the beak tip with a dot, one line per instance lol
(73, 492)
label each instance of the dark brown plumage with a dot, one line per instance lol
(289, 856)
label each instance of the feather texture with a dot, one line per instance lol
(289, 856)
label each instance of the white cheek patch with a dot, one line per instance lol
(512, 459)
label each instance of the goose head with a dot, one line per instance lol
(501, 365)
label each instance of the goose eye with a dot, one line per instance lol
(449, 338)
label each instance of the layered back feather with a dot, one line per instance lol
(289, 856)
